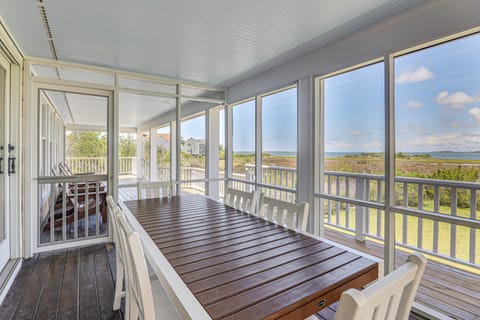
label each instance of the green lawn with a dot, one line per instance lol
(462, 237)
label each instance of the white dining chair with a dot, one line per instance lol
(112, 208)
(155, 189)
(242, 200)
(293, 216)
(139, 298)
(391, 297)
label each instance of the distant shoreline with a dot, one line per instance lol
(451, 155)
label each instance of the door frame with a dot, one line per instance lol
(31, 156)
(10, 51)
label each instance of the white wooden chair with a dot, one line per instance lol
(389, 298)
(242, 200)
(139, 298)
(155, 189)
(119, 258)
(293, 216)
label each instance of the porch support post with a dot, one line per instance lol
(258, 143)
(389, 246)
(173, 151)
(178, 134)
(228, 145)
(305, 151)
(153, 154)
(212, 119)
(139, 163)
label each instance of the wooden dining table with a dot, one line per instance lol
(216, 262)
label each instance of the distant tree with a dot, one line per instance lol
(86, 144)
(127, 146)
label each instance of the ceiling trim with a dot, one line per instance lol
(127, 74)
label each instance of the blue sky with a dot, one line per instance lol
(437, 107)
(437, 102)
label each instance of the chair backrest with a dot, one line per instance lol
(155, 189)
(67, 168)
(139, 290)
(63, 171)
(242, 200)
(111, 206)
(292, 215)
(389, 298)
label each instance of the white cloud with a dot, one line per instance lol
(416, 75)
(355, 132)
(412, 104)
(419, 128)
(338, 146)
(475, 113)
(454, 141)
(455, 100)
(373, 145)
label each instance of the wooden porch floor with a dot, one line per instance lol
(78, 283)
(64, 284)
(446, 289)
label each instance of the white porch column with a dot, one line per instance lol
(173, 150)
(153, 154)
(139, 164)
(305, 156)
(212, 149)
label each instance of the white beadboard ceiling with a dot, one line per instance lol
(215, 42)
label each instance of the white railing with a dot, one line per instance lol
(84, 165)
(438, 217)
(72, 208)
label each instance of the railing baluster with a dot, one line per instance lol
(379, 212)
(453, 228)
(473, 213)
(405, 218)
(347, 207)
(436, 208)
(52, 214)
(329, 203)
(420, 220)
(64, 212)
(75, 210)
(85, 210)
(337, 203)
(97, 208)
(367, 209)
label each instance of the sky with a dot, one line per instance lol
(437, 107)
(437, 102)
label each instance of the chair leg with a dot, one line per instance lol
(118, 284)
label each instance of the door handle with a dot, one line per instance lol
(1, 167)
(11, 165)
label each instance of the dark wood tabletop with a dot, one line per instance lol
(239, 266)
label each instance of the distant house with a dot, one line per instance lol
(194, 146)
(163, 141)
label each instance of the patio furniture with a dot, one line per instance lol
(389, 298)
(119, 258)
(242, 200)
(155, 189)
(292, 215)
(218, 262)
(139, 297)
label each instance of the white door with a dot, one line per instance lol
(4, 162)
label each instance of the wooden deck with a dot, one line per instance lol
(77, 284)
(443, 288)
(64, 284)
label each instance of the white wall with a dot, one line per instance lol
(435, 20)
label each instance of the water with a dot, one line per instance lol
(435, 155)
